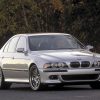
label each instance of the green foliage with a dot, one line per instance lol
(77, 17)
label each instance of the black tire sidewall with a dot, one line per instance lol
(2, 79)
(95, 85)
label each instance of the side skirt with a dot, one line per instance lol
(17, 80)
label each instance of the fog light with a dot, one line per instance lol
(53, 77)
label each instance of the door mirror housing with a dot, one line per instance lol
(89, 47)
(20, 50)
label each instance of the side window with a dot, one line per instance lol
(6, 47)
(13, 44)
(21, 43)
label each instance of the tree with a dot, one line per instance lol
(77, 17)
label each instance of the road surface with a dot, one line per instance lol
(24, 92)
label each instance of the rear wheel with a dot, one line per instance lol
(34, 78)
(95, 85)
(3, 85)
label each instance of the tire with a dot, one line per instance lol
(1, 79)
(34, 78)
(95, 85)
(3, 85)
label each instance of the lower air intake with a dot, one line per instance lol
(79, 77)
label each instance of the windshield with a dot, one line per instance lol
(53, 42)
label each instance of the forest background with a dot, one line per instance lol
(80, 18)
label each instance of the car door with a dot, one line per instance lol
(21, 60)
(8, 58)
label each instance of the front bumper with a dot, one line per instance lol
(45, 75)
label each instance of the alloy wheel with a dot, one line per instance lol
(34, 78)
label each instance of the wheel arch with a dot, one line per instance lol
(32, 65)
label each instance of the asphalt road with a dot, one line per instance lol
(23, 92)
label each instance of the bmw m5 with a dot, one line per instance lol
(48, 59)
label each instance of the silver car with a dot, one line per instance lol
(48, 59)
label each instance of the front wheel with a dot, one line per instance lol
(34, 78)
(95, 85)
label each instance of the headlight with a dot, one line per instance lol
(96, 64)
(55, 65)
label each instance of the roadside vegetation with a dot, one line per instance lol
(80, 18)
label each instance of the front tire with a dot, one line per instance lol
(34, 78)
(95, 85)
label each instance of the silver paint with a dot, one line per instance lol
(15, 66)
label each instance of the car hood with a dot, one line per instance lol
(65, 55)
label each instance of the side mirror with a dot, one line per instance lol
(20, 50)
(89, 47)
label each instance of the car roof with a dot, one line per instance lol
(37, 34)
